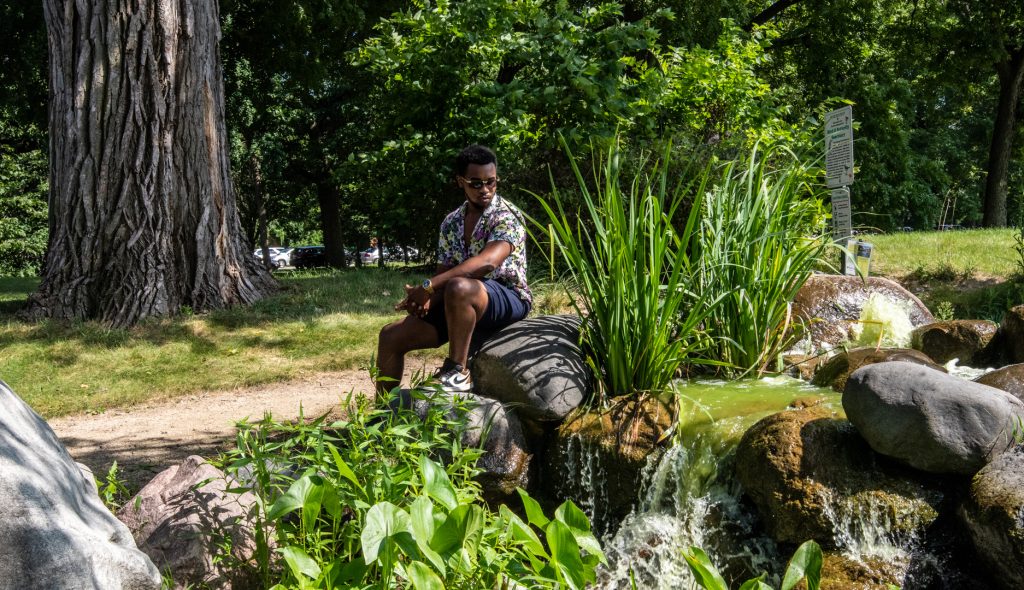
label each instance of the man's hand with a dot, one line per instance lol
(416, 302)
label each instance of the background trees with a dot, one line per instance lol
(344, 114)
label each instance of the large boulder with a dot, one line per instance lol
(930, 420)
(811, 476)
(993, 515)
(836, 371)
(535, 366)
(597, 456)
(1009, 378)
(183, 515)
(55, 532)
(828, 305)
(967, 340)
(485, 424)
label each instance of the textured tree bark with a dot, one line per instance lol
(143, 219)
(1011, 79)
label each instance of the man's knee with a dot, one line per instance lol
(462, 289)
(390, 338)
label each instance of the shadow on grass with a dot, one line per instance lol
(304, 297)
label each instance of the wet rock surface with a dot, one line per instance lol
(811, 476)
(1009, 378)
(55, 533)
(536, 365)
(967, 340)
(596, 457)
(183, 515)
(930, 420)
(836, 371)
(993, 515)
(829, 304)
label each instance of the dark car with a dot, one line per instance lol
(308, 257)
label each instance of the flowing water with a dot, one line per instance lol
(690, 497)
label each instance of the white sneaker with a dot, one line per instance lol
(456, 379)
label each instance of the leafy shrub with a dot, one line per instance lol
(387, 500)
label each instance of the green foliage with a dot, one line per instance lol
(761, 233)
(386, 499)
(804, 565)
(633, 272)
(112, 488)
(23, 218)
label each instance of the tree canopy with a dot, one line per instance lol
(344, 114)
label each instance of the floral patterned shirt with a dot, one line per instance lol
(501, 221)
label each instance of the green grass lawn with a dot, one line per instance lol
(983, 253)
(318, 322)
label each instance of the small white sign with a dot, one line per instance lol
(839, 147)
(842, 217)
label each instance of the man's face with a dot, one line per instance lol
(485, 177)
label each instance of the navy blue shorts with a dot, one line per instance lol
(504, 307)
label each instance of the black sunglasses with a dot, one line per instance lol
(479, 184)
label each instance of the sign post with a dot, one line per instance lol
(838, 177)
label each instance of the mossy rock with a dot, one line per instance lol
(967, 340)
(837, 370)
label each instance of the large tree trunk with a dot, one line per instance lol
(330, 222)
(143, 219)
(1011, 76)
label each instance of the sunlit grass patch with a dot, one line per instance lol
(319, 321)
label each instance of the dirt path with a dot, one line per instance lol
(146, 439)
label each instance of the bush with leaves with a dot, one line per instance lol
(386, 499)
(804, 565)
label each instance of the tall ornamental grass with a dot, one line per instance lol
(761, 233)
(633, 273)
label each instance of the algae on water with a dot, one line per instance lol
(883, 322)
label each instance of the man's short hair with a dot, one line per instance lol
(474, 154)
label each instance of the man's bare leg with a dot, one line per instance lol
(465, 301)
(396, 339)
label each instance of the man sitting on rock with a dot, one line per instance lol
(480, 283)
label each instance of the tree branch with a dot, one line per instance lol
(769, 13)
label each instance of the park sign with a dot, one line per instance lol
(839, 147)
(842, 219)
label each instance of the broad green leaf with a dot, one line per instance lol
(756, 584)
(383, 520)
(579, 524)
(703, 570)
(300, 563)
(565, 553)
(806, 562)
(423, 578)
(534, 513)
(437, 484)
(459, 531)
(293, 499)
(522, 533)
(422, 513)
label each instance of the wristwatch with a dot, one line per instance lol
(429, 288)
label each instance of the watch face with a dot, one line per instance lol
(426, 283)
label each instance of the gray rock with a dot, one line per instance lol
(930, 420)
(967, 340)
(488, 425)
(1009, 378)
(55, 533)
(829, 304)
(534, 366)
(812, 477)
(993, 515)
(182, 516)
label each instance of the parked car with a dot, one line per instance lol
(370, 256)
(279, 256)
(308, 257)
